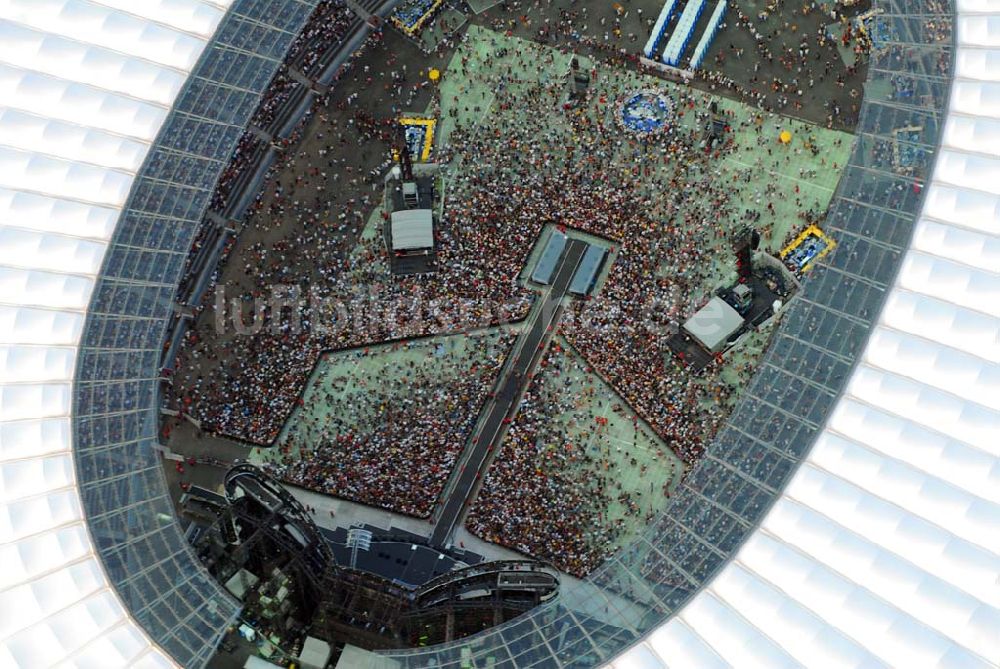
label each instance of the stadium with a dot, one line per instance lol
(491, 334)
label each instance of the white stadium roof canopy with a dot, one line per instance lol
(884, 549)
(84, 89)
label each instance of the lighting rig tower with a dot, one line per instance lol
(410, 197)
(745, 243)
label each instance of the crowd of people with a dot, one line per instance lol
(509, 176)
(279, 91)
(384, 431)
(558, 490)
(324, 31)
(327, 27)
(798, 62)
(248, 145)
(670, 207)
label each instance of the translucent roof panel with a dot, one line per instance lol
(88, 63)
(106, 27)
(85, 87)
(884, 548)
(114, 425)
(90, 107)
(879, 551)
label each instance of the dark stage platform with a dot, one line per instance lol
(399, 555)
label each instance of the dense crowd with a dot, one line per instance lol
(388, 436)
(279, 91)
(556, 490)
(575, 170)
(243, 155)
(323, 33)
(327, 27)
(673, 226)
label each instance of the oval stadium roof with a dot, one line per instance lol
(882, 551)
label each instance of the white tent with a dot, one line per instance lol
(713, 324)
(412, 229)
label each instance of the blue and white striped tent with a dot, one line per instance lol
(659, 27)
(682, 33)
(709, 35)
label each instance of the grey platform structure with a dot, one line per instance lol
(115, 399)
(586, 274)
(546, 265)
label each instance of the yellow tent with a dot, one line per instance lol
(785, 137)
(434, 74)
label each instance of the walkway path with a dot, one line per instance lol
(502, 407)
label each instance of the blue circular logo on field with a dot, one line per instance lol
(645, 112)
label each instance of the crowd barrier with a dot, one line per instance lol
(710, 32)
(682, 33)
(659, 28)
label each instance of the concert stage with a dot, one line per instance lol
(770, 285)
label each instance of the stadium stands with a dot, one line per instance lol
(878, 549)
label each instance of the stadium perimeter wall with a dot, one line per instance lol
(722, 501)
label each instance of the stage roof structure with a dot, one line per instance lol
(713, 324)
(412, 229)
